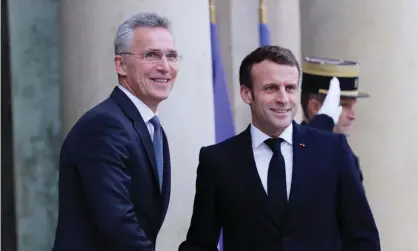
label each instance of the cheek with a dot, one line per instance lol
(174, 71)
(264, 100)
(293, 98)
(343, 117)
(144, 69)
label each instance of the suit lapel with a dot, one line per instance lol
(132, 112)
(166, 175)
(300, 163)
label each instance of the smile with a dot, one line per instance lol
(280, 110)
(160, 80)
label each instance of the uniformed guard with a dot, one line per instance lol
(329, 95)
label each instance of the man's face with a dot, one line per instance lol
(347, 117)
(273, 97)
(151, 68)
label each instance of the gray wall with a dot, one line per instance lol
(36, 119)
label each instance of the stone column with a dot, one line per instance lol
(88, 76)
(382, 36)
(238, 27)
(284, 22)
(283, 18)
(238, 31)
(35, 122)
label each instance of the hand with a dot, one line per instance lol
(331, 106)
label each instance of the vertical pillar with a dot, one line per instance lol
(284, 22)
(88, 76)
(8, 208)
(382, 37)
(35, 120)
(238, 31)
(238, 27)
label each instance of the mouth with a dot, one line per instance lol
(280, 111)
(161, 81)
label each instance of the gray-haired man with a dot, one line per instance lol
(114, 183)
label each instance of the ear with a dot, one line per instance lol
(120, 65)
(313, 107)
(246, 95)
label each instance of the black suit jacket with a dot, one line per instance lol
(109, 197)
(325, 122)
(327, 209)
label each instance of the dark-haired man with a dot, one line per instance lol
(278, 185)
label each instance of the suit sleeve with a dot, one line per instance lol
(205, 227)
(106, 182)
(357, 225)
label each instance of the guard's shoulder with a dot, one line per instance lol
(321, 136)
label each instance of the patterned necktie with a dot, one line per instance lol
(276, 177)
(158, 147)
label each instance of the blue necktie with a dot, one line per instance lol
(158, 147)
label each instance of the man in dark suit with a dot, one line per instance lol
(114, 180)
(329, 95)
(278, 185)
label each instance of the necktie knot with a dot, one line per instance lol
(155, 121)
(274, 143)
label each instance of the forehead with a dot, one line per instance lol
(153, 38)
(271, 72)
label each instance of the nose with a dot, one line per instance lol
(351, 114)
(282, 96)
(163, 65)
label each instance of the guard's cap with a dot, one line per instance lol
(317, 73)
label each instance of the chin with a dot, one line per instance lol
(161, 94)
(281, 124)
(346, 133)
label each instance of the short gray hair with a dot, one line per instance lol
(124, 35)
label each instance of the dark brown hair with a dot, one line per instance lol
(276, 54)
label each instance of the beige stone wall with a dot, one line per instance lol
(383, 37)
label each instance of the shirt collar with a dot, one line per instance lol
(144, 110)
(258, 137)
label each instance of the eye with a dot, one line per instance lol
(172, 56)
(152, 55)
(270, 88)
(291, 88)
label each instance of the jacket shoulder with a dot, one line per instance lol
(223, 146)
(105, 111)
(319, 136)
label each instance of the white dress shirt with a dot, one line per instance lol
(263, 154)
(146, 113)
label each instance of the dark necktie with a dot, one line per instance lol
(276, 178)
(158, 147)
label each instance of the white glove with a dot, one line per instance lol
(331, 106)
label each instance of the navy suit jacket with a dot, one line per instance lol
(109, 197)
(325, 122)
(327, 209)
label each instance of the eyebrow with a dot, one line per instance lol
(291, 83)
(169, 51)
